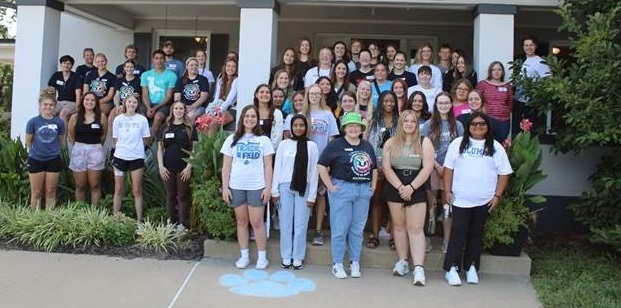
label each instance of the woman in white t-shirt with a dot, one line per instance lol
(476, 173)
(129, 135)
(424, 57)
(246, 182)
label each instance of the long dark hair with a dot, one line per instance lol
(330, 98)
(424, 113)
(488, 149)
(81, 110)
(435, 130)
(294, 66)
(345, 57)
(227, 81)
(270, 104)
(241, 130)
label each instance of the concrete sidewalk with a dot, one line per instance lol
(32, 279)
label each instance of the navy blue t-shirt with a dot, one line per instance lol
(83, 70)
(65, 88)
(191, 89)
(45, 141)
(408, 77)
(126, 88)
(351, 163)
(100, 85)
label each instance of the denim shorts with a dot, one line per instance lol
(241, 197)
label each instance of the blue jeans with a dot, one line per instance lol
(293, 213)
(349, 208)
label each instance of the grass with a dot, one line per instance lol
(581, 275)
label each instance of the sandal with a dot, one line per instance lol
(372, 242)
(391, 244)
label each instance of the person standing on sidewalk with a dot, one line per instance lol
(348, 168)
(295, 184)
(476, 173)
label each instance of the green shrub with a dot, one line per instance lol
(158, 237)
(75, 225)
(14, 182)
(215, 215)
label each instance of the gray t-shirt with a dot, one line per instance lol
(445, 137)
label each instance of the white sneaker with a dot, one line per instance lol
(452, 277)
(354, 269)
(472, 276)
(419, 276)
(401, 268)
(242, 263)
(262, 264)
(338, 271)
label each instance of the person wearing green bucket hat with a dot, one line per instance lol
(348, 167)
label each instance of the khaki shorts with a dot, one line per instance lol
(65, 105)
(435, 181)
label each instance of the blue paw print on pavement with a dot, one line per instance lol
(261, 284)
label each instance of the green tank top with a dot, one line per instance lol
(407, 160)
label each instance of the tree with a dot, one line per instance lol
(587, 94)
(6, 5)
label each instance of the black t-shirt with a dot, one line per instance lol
(357, 76)
(266, 127)
(88, 133)
(138, 70)
(409, 78)
(191, 89)
(65, 88)
(100, 85)
(83, 70)
(175, 140)
(351, 163)
(126, 88)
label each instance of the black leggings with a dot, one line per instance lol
(177, 195)
(467, 228)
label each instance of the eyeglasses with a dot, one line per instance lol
(462, 89)
(478, 124)
(314, 94)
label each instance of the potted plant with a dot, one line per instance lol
(506, 230)
(209, 212)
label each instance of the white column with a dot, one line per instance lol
(36, 57)
(257, 46)
(493, 37)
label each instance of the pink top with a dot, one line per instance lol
(459, 109)
(498, 99)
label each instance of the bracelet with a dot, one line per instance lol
(412, 186)
(400, 186)
(497, 196)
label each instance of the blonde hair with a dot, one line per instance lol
(47, 93)
(398, 140)
(418, 59)
(369, 102)
(322, 102)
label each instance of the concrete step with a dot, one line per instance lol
(380, 257)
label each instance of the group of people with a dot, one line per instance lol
(356, 130)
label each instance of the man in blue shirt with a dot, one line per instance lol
(157, 90)
(172, 64)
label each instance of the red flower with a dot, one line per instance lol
(526, 125)
(203, 122)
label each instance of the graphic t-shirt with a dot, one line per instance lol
(129, 131)
(247, 171)
(65, 88)
(323, 126)
(100, 84)
(127, 88)
(445, 137)
(191, 89)
(475, 175)
(347, 162)
(45, 141)
(357, 76)
(157, 84)
(83, 70)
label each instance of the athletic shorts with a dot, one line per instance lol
(86, 157)
(127, 165)
(51, 165)
(248, 197)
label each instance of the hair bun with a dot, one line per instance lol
(49, 91)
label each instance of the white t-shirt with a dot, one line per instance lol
(475, 175)
(313, 74)
(283, 167)
(532, 68)
(436, 74)
(247, 171)
(430, 94)
(128, 132)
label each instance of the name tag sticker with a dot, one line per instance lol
(502, 89)
(349, 150)
(383, 129)
(370, 77)
(52, 126)
(95, 126)
(136, 72)
(60, 82)
(169, 135)
(260, 122)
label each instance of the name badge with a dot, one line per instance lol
(52, 126)
(260, 122)
(95, 126)
(60, 82)
(349, 150)
(136, 72)
(169, 135)
(383, 129)
(502, 89)
(370, 77)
